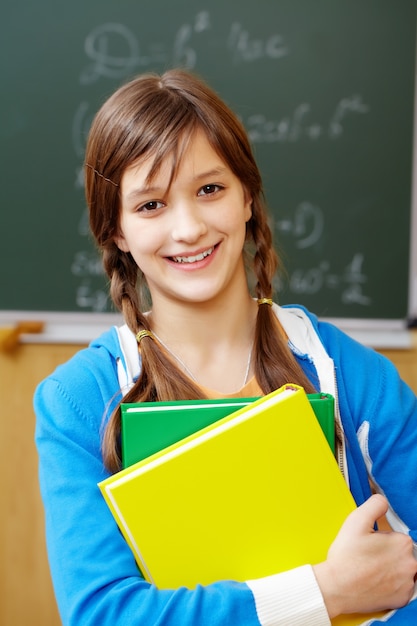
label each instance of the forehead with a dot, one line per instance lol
(194, 156)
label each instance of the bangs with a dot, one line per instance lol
(170, 148)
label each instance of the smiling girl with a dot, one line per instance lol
(176, 207)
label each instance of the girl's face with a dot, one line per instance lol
(187, 240)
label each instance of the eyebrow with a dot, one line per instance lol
(214, 172)
(140, 191)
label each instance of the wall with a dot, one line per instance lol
(26, 591)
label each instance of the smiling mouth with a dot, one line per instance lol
(194, 258)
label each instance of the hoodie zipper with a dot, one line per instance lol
(340, 437)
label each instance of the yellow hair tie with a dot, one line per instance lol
(265, 301)
(144, 333)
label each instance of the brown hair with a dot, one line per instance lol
(156, 116)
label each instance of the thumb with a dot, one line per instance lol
(364, 517)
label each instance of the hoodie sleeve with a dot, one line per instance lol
(388, 440)
(379, 414)
(95, 577)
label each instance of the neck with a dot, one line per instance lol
(203, 323)
(212, 343)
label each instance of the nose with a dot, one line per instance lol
(188, 224)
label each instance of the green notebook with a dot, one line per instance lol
(148, 427)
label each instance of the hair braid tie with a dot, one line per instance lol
(142, 334)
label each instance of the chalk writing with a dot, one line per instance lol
(83, 224)
(183, 54)
(86, 263)
(306, 225)
(114, 51)
(79, 131)
(80, 127)
(355, 278)
(249, 49)
(293, 127)
(87, 297)
(100, 47)
(345, 107)
(350, 283)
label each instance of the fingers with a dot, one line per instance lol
(367, 570)
(364, 517)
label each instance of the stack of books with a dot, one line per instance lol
(229, 489)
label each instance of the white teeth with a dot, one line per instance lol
(193, 259)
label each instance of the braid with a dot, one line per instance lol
(265, 261)
(160, 378)
(123, 273)
(275, 364)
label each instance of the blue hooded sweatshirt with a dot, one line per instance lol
(94, 573)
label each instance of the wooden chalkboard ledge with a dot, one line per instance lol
(81, 328)
(55, 327)
(11, 335)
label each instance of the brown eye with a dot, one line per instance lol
(153, 205)
(209, 189)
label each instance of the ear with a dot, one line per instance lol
(248, 207)
(121, 243)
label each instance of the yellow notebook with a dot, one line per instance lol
(255, 493)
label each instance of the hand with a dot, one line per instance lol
(366, 570)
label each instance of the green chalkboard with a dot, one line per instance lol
(324, 87)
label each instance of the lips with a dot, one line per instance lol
(193, 258)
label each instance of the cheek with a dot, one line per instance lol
(236, 229)
(238, 219)
(235, 212)
(144, 240)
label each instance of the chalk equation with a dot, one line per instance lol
(300, 122)
(351, 283)
(114, 51)
(90, 298)
(306, 225)
(288, 129)
(246, 48)
(91, 292)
